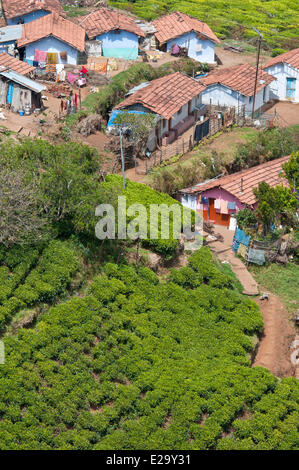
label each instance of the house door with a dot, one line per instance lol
(216, 217)
(291, 88)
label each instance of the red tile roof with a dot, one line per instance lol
(165, 96)
(53, 25)
(291, 58)
(14, 8)
(104, 20)
(239, 78)
(7, 61)
(176, 24)
(268, 172)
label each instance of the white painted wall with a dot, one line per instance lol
(224, 96)
(190, 40)
(278, 87)
(52, 44)
(177, 117)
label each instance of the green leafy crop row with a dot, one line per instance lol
(140, 364)
(52, 274)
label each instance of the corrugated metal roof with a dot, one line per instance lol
(10, 33)
(24, 81)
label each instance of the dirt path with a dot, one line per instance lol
(274, 348)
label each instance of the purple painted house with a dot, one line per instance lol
(218, 199)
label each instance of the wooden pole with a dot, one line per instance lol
(256, 74)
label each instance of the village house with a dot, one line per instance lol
(217, 200)
(9, 35)
(52, 39)
(175, 100)
(24, 11)
(234, 87)
(19, 92)
(285, 69)
(112, 34)
(178, 30)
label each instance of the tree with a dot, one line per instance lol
(274, 204)
(22, 220)
(64, 180)
(291, 171)
(136, 128)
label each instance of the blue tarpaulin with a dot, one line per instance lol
(241, 237)
(115, 113)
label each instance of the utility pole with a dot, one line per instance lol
(122, 157)
(257, 67)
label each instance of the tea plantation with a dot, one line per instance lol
(278, 20)
(137, 363)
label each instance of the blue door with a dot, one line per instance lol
(291, 88)
(10, 93)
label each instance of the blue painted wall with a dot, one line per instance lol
(191, 41)
(122, 45)
(35, 15)
(52, 44)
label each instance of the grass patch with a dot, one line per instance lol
(283, 281)
(73, 11)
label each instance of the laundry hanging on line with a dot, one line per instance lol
(223, 207)
(217, 203)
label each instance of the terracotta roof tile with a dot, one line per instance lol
(176, 24)
(104, 20)
(239, 78)
(166, 95)
(291, 58)
(53, 25)
(14, 64)
(268, 172)
(14, 8)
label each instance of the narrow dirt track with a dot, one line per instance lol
(274, 347)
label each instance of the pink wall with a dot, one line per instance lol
(218, 193)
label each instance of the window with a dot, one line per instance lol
(180, 111)
(250, 99)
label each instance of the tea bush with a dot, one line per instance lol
(140, 364)
(22, 288)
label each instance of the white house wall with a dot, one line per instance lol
(223, 96)
(220, 95)
(198, 49)
(278, 88)
(52, 44)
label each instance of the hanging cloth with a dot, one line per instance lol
(52, 58)
(223, 207)
(217, 203)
